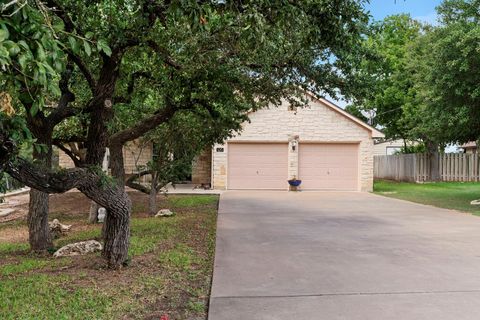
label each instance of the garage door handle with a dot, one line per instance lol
(257, 171)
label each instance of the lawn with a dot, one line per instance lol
(450, 195)
(171, 262)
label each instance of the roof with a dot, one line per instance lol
(375, 132)
(469, 145)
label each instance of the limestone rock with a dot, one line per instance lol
(164, 213)
(57, 229)
(78, 248)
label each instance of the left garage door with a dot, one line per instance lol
(257, 166)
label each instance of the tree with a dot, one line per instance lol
(447, 61)
(391, 85)
(154, 60)
(185, 136)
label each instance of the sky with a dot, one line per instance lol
(423, 10)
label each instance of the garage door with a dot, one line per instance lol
(328, 166)
(257, 166)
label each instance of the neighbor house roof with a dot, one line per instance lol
(375, 132)
(469, 145)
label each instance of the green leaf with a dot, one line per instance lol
(88, 49)
(22, 60)
(73, 44)
(40, 52)
(34, 109)
(3, 34)
(58, 26)
(23, 44)
(4, 52)
(103, 46)
(12, 47)
(58, 65)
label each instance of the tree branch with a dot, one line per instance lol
(165, 54)
(131, 86)
(44, 180)
(83, 69)
(69, 153)
(143, 126)
(137, 186)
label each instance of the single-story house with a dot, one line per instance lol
(384, 147)
(321, 144)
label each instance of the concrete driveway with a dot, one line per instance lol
(309, 256)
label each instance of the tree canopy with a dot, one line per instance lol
(103, 73)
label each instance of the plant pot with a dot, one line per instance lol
(294, 184)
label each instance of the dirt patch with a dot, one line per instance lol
(14, 234)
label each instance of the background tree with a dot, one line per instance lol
(391, 85)
(217, 60)
(446, 62)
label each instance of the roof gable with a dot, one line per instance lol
(375, 132)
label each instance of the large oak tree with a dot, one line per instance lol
(111, 71)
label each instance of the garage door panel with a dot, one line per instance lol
(257, 165)
(328, 166)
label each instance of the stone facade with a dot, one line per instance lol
(202, 168)
(320, 122)
(136, 154)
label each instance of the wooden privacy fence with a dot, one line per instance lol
(415, 167)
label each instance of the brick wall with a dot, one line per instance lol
(315, 123)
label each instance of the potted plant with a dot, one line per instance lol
(294, 183)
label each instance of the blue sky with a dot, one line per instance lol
(423, 10)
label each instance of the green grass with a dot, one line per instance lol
(449, 195)
(9, 248)
(170, 271)
(191, 201)
(147, 233)
(46, 297)
(180, 257)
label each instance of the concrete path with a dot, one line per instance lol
(309, 256)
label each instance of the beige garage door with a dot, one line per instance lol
(257, 166)
(328, 166)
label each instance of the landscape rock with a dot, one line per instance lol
(78, 248)
(475, 202)
(57, 229)
(164, 213)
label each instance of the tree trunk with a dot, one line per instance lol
(39, 235)
(434, 159)
(116, 235)
(38, 230)
(116, 228)
(117, 164)
(152, 200)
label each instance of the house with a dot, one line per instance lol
(388, 147)
(136, 155)
(321, 144)
(469, 147)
